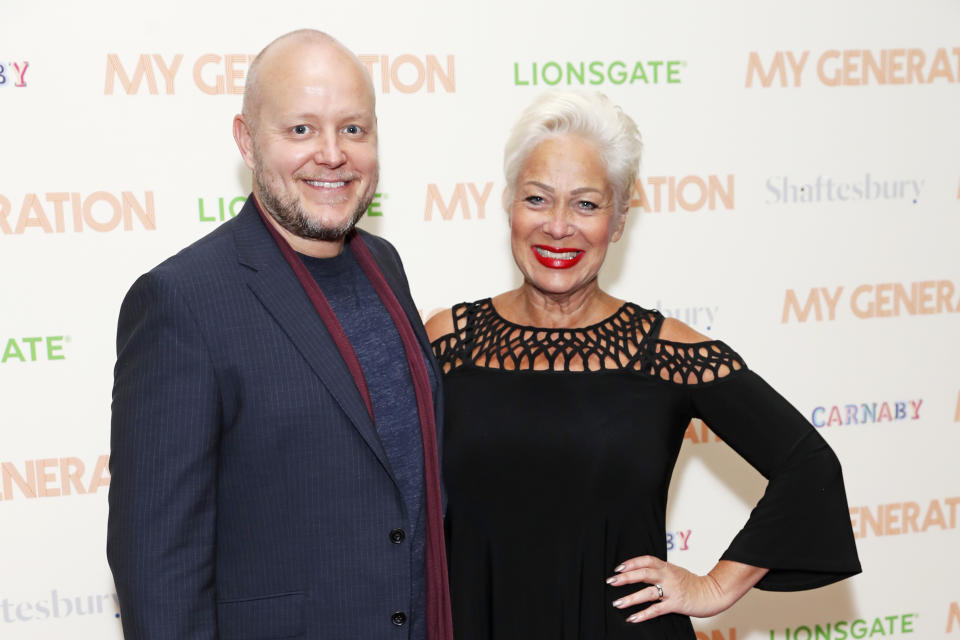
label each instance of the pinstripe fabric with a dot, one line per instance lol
(250, 497)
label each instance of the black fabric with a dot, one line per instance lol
(555, 475)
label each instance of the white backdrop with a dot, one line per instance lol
(802, 202)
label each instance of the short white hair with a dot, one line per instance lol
(590, 115)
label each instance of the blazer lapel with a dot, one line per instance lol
(275, 285)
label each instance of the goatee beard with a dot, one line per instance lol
(292, 217)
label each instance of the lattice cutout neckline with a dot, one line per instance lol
(626, 340)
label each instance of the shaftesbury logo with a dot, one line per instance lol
(854, 67)
(13, 74)
(53, 478)
(59, 606)
(898, 518)
(881, 626)
(882, 300)
(786, 190)
(697, 317)
(690, 193)
(60, 212)
(866, 413)
(598, 72)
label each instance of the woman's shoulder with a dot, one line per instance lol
(681, 354)
(448, 322)
(673, 330)
(439, 324)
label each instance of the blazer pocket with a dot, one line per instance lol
(261, 618)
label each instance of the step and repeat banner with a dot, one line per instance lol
(799, 199)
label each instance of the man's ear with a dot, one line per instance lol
(244, 138)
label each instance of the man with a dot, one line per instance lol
(274, 463)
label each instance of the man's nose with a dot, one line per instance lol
(329, 150)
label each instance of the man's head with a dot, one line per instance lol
(308, 132)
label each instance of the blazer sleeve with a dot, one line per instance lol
(163, 463)
(800, 529)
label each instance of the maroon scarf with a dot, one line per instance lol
(439, 624)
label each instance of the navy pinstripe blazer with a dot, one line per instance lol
(250, 495)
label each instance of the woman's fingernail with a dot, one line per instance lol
(620, 568)
(618, 603)
(611, 580)
(634, 618)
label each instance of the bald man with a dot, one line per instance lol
(274, 440)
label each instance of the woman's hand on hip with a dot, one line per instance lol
(673, 589)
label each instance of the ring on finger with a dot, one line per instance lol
(659, 592)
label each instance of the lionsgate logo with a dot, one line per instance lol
(57, 606)
(598, 72)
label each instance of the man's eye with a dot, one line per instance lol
(301, 129)
(352, 129)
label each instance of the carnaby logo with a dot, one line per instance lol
(679, 540)
(33, 349)
(866, 413)
(786, 190)
(212, 73)
(854, 67)
(59, 606)
(598, 72)
(882, 300)
(62, 212)
(690, 193)
(53, 477)
(897, 518)
(407, 73)
(698, 317)
(466, 198)
(13, 74)
(717, 634)
(880, 626)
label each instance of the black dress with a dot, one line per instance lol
(554, 476)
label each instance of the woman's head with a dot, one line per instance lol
(588, 115)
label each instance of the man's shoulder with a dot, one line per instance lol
(216, 249)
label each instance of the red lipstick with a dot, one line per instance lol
(555, 257)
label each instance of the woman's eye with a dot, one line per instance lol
(301, 129)
(587, 205)
(534, 199)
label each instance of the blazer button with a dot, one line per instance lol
(397, 536)
(399, 618)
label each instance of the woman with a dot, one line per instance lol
(566, 409)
